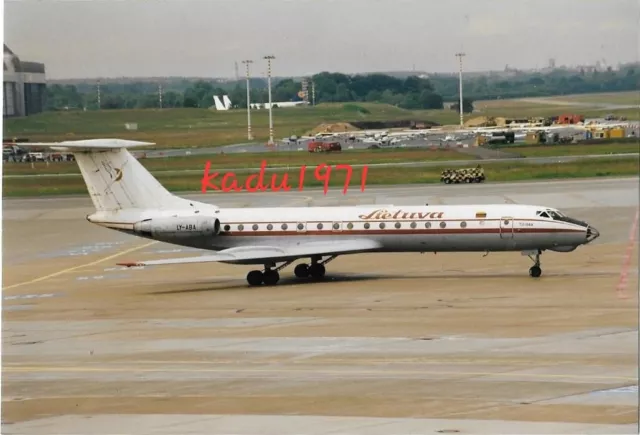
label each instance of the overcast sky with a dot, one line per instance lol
(111, 38)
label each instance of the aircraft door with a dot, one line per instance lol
(506, 227)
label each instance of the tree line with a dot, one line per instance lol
(412, 92)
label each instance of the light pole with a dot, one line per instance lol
(249, 136)
(269, 58)
(99, 102)
(460, 56)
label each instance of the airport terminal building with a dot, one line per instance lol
(24, 86)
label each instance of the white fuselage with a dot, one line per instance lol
(435, 228)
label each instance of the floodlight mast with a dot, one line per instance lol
(460, 56)
(269, 59)
(98, 90)
(249, 135)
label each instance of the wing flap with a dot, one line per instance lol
(269, 253)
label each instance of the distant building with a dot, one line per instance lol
(24, 86)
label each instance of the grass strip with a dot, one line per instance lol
(495, 172)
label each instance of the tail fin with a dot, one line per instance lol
(218, 103)
(115, 179)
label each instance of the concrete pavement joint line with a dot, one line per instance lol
(564, 396)
(621, 289)
(492, 406)
(71, 269)
(81, 369)
(384, 363)
(500, 402)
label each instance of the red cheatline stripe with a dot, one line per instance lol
(328, 222)
(393, 231)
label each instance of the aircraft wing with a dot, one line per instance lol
(259, 254)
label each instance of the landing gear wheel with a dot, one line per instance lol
(301, 271)
(270, 277)
(254, 277)
(317, 271)
(535, 271)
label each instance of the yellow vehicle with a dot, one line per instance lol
(463, 175)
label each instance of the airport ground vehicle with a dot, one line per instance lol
(324, 147)
(463, 175)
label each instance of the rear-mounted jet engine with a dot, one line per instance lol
(178, 227)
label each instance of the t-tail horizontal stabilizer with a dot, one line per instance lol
(87, 144)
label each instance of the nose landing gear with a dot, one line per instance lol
(536, 270)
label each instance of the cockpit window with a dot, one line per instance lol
(556, 214)
(559, 216)
(553, 214)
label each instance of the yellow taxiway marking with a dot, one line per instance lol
(71, 269)
(292, 370)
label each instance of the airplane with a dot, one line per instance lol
(127, 198)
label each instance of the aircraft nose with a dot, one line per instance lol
(592, 234)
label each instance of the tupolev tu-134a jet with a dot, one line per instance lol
(129, 199)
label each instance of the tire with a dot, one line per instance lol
(301, 271)
(271, 277)
(535, 272)
(317, 271)
(255, 277)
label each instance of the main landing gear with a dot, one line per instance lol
(535, 270)
(316, 270)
